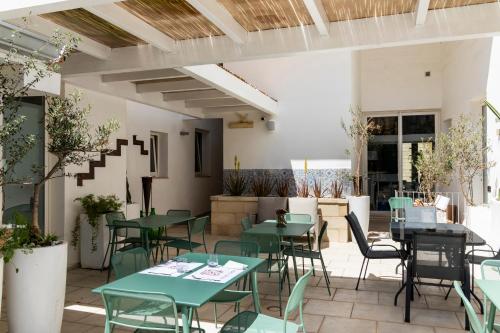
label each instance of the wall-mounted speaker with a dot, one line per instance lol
(271, 125)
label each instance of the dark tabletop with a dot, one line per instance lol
(407, 229)
(269, 228)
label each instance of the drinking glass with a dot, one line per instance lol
(181, 265)
(213, 260)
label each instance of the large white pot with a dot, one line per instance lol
(361, 207)
(480, 220)
(35, 286)
(90, 258)
(1, 280)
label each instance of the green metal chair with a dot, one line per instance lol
(276, 263)
(397, 204)
(195, 227)
(115, 233)
(301, 218)
(129, 262)
(234, 248)
(301, 252)
(161, 236)
(246, 223)
(248, 321)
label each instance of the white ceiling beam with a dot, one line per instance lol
(228, 83)
(167, 73)
(39, 25)
(421, 11)
(214, 102)
(163, 86)
(123, 19)
(318, 14)
(127, 90)
(191, 95)
(243, 108)
(220, 17)
(10, 9)
(442, 25)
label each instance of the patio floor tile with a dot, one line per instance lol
(328, 308)
(360, 296)
(384, 327)
(377, 312)
(343, 325)
(437, 318)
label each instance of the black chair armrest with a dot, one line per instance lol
(495, 253)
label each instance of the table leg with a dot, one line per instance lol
(146, 241)
(112, 251)
(294, 260)
(255, 291)
(409, 287)
(310, 250)
(491, 318)
(186, 325)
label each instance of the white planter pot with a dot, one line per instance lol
(480, 220)
(361, 207)
(1, 280)
(35, 287)
(89, 257)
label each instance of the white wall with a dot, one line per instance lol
(313, 91)
(465, 77)
(181, 190)
(493, 95)
(393, 79)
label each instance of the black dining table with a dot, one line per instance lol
(403, 233)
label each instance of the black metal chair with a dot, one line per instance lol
(439, 256)
(368, 251)
(302, 252)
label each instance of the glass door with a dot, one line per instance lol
(391, 154)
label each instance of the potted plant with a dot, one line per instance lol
(434, 166)
(72, 141)
(282, 187)
(91, 231)
(262, 186)
(360, 131)
(464, 144)
(236, 183)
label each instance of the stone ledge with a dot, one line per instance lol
(233, 198)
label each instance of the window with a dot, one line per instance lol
(201, 154)
(158, 154)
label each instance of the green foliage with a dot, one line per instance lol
(94, 207)
(14, 84)
(318, 189)
(262, 186)
(22, 235)
(236, 183)
(463, 144)
(434, 166)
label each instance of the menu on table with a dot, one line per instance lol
(170, 268)
(220, 274)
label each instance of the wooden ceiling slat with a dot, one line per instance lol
(255, 15)
(441, 4)
(343, 10)
(93, 27)
(175, 18)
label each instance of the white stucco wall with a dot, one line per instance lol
(314, 92)
(393, 79)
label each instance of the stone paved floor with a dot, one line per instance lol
(368, 310)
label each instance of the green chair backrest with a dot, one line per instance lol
(490, 266)
(151, 311)
(322, 233)
(197, 226)
(179, 212)
(269, 244)
(129, 262)
(246, 223)
(298, 218)
(237, 248)
(475, 324)
(296, 299)
(117, 216)
(400, 202)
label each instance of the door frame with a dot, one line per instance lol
(399, 114)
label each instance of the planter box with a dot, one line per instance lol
(88, 257)
(484, 221)
(333, 210)
(227, 212)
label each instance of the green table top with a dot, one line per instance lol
(269, 227)
(185, 292)
(156, 221)
(491, 288)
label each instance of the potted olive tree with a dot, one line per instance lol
(36, 272)
(360, 131)
(467, 150)
(20, 72)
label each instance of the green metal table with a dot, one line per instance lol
(491, 291)
(151, 222)
(189, 294)
(291, 230)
